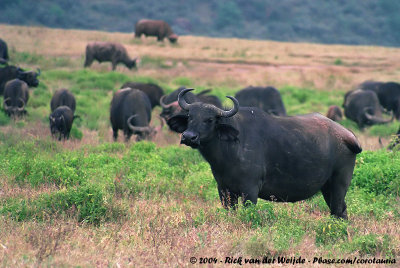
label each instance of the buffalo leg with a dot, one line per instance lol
(115, 134)
(336, 191)
(88, 61)
(228, 199)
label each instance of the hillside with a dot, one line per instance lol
(368, 22)
(90, 201)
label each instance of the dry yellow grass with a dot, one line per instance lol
(218, 60)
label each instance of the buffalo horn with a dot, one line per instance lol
(376, 119)
(23, 105)
(184, 105)
(136, 128)
(166, 106)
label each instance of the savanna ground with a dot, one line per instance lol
(90, 202)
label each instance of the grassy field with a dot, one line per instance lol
(91, 202)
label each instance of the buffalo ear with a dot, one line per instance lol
(178, 123)
(227, 132)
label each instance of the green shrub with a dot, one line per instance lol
(330, 231)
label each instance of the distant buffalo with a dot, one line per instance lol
(131, 111)
(8, 73)
(153, 91)
(334, 113)
(267, 99)
(389, 97)
(3, 51)
(63, 97)
(16, 95)
(158, 28)
(61, 120)
(107, 51)
(362, 106)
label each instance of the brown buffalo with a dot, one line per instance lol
(107, 51)
(334, 113)
(158, 28)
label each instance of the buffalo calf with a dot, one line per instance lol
(61, 120)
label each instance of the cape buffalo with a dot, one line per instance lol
(334, 113)
(370, 85)
(362, 106)
(171, 108)
(254, 155)
(131, 112)
(267, 99)
(389, 97)
(107, 51)
(8, 73)
(61, 120)
(153, 91)
(16, 95)
(63, 97)
(158, 28)
(3, 50)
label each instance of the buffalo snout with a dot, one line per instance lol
(191, 139)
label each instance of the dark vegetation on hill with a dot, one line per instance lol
(369, 22)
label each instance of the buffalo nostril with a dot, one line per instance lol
(194, 137)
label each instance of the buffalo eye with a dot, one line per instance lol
(209, 120)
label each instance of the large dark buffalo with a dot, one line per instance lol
(8, 73)
(362, 106)
(3, 50)
(334, 113)
(63, 97)
(267, 99)
(153, 91)
(131, 112)
(389, 97)
(256, 155)
(16, 95)
(171, 108)
(158, 28)
(61, 120)
(107, 51)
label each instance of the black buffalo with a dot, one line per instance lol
(16, 95)
(389, 97)
(3, 51)
(334, 113)
(267, 99)
(171, 108)
(61, 120)
(107, 51)
(256, 155)
(63, 97)
(158, 28)
(131, 112)
(8, 73)
(153, 91)
(362, 107)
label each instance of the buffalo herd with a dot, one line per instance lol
(255, 150)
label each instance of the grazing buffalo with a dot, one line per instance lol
(153, 91)
(3, 51)
(389, 97)
(254, 155)
(334, 113)
(61, 120)
(362, 106)
(267, 99)
(131, 112)
(107, 51)
(16, 95)
(158, 28)
(171, 108)
(8, 73)
(63, 97)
